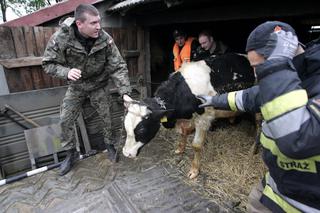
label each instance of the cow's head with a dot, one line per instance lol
(141, 122)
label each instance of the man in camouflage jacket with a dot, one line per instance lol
(87, 57)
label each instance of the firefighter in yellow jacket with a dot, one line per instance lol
(288, 96)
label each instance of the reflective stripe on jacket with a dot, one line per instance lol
(290, 138)
(182, 55)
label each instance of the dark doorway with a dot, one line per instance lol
(233, 33)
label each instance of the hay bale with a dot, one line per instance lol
(228, 172)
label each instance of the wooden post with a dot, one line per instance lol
(147, 61)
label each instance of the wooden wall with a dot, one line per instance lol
(22, 49)
(25, 44)
(21, 53)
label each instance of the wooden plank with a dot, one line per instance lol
(131, 53)
(133, 43)
(26, 78)
(147, 74)
(6, 44)
(47, 79)
(19, 42)
(141, 48)
(48, 32)
(133, 64)
(30, 41)
(124, 48)
(14, 81)
(24, 42)
(123, 40)
(63, 82)
(116, 37)
(25, 72)
(132, 38)
(37, 78)
(39, 36)
(30, 81)
(131, 57)
(21, 62)
(55, 82)
(7, 51)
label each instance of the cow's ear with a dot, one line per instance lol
(158, 114)
(127, 100)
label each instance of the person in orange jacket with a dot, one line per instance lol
(184, 49)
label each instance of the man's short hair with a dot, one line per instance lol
(206, 33)
(85, 8)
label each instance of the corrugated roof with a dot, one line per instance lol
(129, 4)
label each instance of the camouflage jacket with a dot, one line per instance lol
(64, 52)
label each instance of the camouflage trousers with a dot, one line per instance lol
(72, 106)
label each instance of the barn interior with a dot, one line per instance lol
(233, 33)
(228, 170)
(230, 22)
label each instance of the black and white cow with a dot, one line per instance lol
(175, 104)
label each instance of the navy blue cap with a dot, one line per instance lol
(179, 32)
(259, 37)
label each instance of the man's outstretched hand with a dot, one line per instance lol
(206, 100)
(217, 101)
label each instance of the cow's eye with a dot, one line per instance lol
(145, 117)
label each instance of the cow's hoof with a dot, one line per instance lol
(193, 173)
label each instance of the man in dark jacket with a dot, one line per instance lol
(209, 47)
(85, 55)
(291, 111)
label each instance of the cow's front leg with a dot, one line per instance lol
(202, 124)
(254, 148)
(185, 128)
(181, 144)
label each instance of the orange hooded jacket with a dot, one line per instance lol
(182, 55)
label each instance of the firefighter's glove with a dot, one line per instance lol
(217, 101)
(285, 45)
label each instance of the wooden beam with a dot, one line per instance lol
(226, 12)
(147, 69)
(131, 53)
(21, 62)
